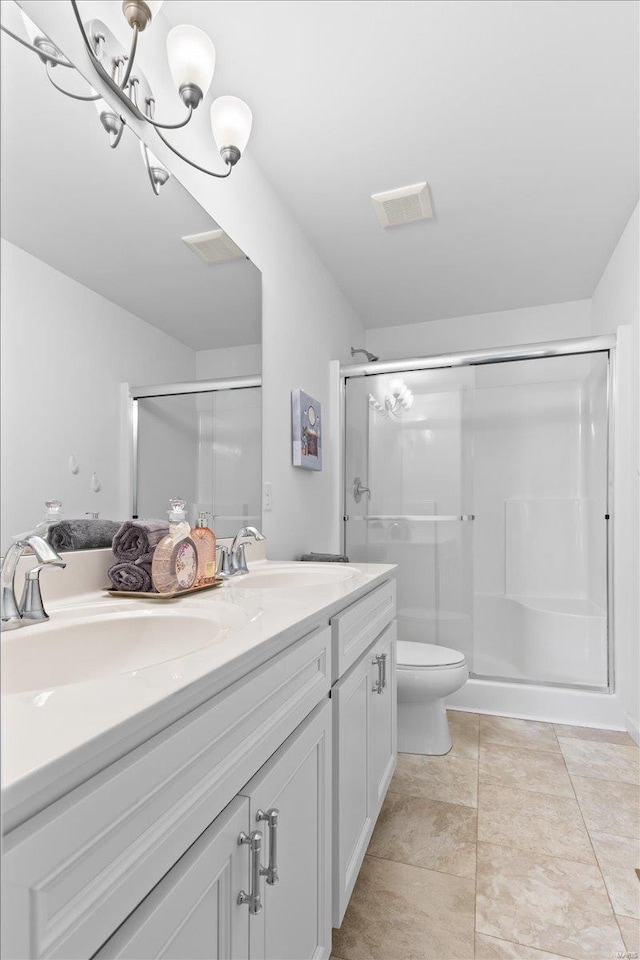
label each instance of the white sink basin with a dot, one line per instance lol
(82, 645)
(296, 575)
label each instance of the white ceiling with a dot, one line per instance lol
(90, 212)
(522, 115)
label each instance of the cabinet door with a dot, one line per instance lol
(353, 809)
(295, 921)
(194, 911)
(383, 735)
(365, 750)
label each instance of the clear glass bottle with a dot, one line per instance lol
(205, 541)
(53, 515)
(175, 559)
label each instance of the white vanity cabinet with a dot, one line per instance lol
(142, 859)
(194, 912)
(364, 740)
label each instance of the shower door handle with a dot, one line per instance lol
(418, 518)
(359, 489)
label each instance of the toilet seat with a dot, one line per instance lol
(415, 655)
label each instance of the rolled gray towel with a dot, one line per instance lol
(82, 534)
(135, 538)
(126, 575)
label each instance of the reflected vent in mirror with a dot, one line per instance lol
(214, 246)
(404, 205)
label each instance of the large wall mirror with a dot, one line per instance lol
(102, 299)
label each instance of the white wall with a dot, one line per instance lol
(306, 319)
(229, 362)
(616, 302)
(553, 321)
(65, 353)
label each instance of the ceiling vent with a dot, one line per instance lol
(214, 247)
(404, 205)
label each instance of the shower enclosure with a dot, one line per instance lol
(485, 477)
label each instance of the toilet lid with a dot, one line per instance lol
(412, 654)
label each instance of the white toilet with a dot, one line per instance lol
(427, 673)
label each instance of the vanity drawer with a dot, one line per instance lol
(73, 873)
(355, 629)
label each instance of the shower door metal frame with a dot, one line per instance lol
(526, 351)
(178, 389)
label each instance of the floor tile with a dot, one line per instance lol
(464, 729)
(609, 807)
(630, 930)
(603, 761)
(490, 948)
(400, 912)
(592, 733)
(618, 857)
(427, 833)
(451, 779)
(535, 822)
(545, 902)
(518, 733)
(524, 769)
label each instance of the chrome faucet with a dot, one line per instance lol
(237, 557)
(31, 608)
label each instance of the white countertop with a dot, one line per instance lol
(53, 739)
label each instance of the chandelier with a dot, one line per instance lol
(191, 56)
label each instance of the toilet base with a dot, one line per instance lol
(423, 728)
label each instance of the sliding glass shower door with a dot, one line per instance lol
(408, 442)
(488, 485)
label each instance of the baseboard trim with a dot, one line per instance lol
(634, 728)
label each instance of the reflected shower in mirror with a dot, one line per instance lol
(220, 432)
(102, 292)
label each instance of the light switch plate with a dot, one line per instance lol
(267, 499)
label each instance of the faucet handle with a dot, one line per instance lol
(224, 568)
(32, 605)
(240, 559)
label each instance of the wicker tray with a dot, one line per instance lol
(138, 594)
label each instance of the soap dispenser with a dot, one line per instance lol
(205, 541)
(175, 559)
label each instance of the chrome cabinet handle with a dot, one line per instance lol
(271, 818)
(253, 898)
(383, 660)
(379, 662)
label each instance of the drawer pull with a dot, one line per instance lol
(271, 818)
(383, 658)
(253, 898)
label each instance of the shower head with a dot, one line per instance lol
(371, 357)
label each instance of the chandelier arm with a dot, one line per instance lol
(74, 96)
(154, 185)
(30, 46)
(169, 126)
(132, 55)
(83, 32)
(114, 141)
(211, 173)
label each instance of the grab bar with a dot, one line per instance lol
(463, 517)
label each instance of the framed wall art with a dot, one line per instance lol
(306, 431)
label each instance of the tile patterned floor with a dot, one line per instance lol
(520, 844)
